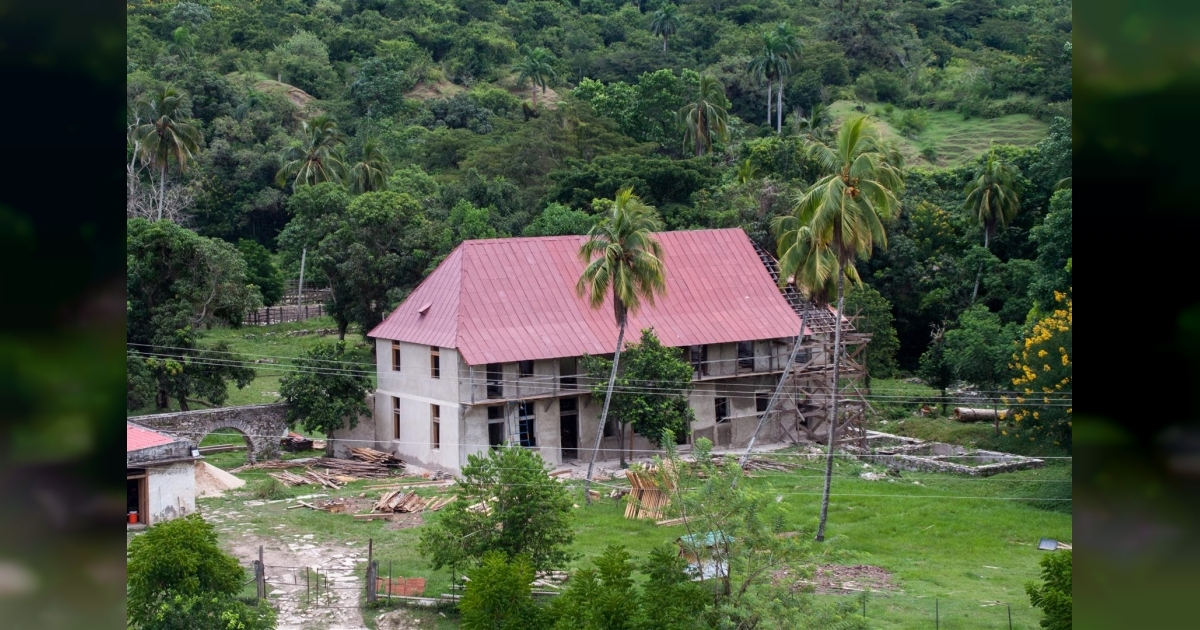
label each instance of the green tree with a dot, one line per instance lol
(559, 220)
(666, 23)
(179, 283)
(183, 43)
(992, 198)
(786, 48)
(935, 367)
(654, 381)
(316, 157)
(621, 254)
(978, 350)
(380, 249)
(705, 117)
(261, 271)
(1053, 240)
(325, 392)
(499, 595)
(844, 213)
(209, 612)
(370, 173)
(875, 317)
(1044, 368)
(165, 135)
(537, 66)
(316, 212)
(1053, 595)
(528, 513)
(177, 557)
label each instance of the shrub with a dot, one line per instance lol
(270, 489)
(1053, 595)
(499, 595)
(177, 558)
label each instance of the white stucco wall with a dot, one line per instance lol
(171, 491)
(417, 390)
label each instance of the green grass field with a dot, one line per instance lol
(953, 139)
(267, 349)
(965, 542)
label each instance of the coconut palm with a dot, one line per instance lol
(628, 262)
(746, 172)
(164, 135)
(371, 171)
(666, 23)
(705, 118)
(183, 43)
(318, 156)
(816, 125)
(837, 219)
(992, 197)
(538, 67)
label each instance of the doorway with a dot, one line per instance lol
(137, 494)
(568, 419)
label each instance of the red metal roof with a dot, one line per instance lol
(503, 300)
(138, 438)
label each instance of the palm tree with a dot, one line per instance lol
(629, 262)
(317, 158)
(992, 198)
(746, 172)
(371, 171)
(183, 43)
(816, 125)
(164, 136)
(762, 67)
(706, 117)
(786, 47)
(837, 219)
(665, 23)
(538, 67)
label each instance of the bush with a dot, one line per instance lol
(1053, 595)
(499, 595)
(270, 489)
(177, 558)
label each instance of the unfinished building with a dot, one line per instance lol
(487, 351)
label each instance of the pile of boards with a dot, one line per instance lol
(295, 442)
(309, 476)
(646, 498)
(755, 463)
(397, 501)
(358, 469)
(373, 456)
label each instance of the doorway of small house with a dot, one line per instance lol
(136, 493)
(568, 418)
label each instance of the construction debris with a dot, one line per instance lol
(276, 464)
(309, 476)
(360, 469)
(482, 506)
(757, 463)
(376, 457)
(295, 442)
(550, 579)
(617, 493)
(395, 501)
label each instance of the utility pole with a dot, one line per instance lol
(778, 389)
(300, 293)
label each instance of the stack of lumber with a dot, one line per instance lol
(376, 457)
(755, 463)
(296, 442)
(646, 499)
(289, 479)
(353, 468)
(550, 579)
(320, 479)
(405, 502)
(275, 464)
(482, 506)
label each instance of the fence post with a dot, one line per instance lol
(1009, 616)
(937, 618)
(372, 572)
(389, 588)
(260, 575)
(307, 587)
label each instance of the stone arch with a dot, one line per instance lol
(263, 426)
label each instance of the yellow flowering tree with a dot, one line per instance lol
(1042, 410)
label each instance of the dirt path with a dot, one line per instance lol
(341, 565)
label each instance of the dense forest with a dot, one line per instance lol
(372, 136)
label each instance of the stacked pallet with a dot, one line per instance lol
(646, 498)
(376, 457)
(407, 502)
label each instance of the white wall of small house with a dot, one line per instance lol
(414, 387)
(171, 491)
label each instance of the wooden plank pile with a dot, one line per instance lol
(354, 468)
(550, 579)
(755, 463)
(646, 498)
(309, 477)
(275, 464)
(376, 457)
(407, 502)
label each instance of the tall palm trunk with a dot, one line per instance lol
(162, 189)
(612, 380)
(833, 408)
(664, 43)
(779, 109)
(534, 91)
(979, 274)
(770, 89)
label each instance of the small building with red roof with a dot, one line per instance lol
(486, 350)
(160, 475)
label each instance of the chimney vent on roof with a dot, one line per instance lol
(425, 309)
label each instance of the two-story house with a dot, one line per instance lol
(486, 350)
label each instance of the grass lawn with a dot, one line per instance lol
(953, 139)
(960, 540)
(268, 349)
